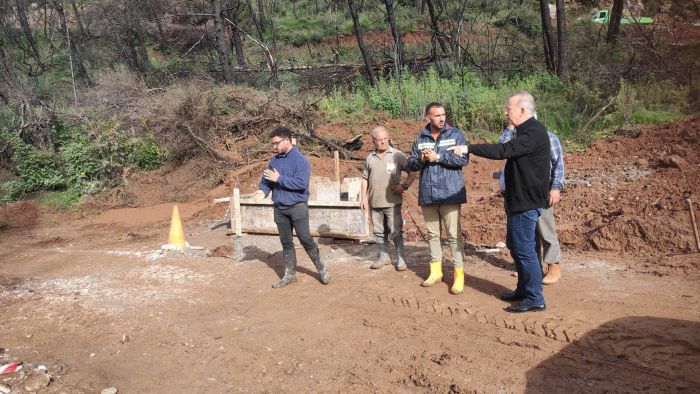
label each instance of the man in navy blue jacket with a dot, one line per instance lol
(287, 176)
(441, 191)
(527, 178)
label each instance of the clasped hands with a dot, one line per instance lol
(428, 156)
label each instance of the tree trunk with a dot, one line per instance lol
(615, 17)
(79, 20)
(457, 46)
(75, 54)
(258, 28)
(236, 38)
(222, 47)
(562, 66)
(261, 14)
(152, 10)
(361, 43)
(548, 39)
(398, 44)
(434, 23)
(141, 39)
(21, 10)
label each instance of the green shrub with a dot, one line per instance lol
(80, 165)
(149, 155)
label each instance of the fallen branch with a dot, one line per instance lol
(206, 147)
(580, 132)
(310, 132)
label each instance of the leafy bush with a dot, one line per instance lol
(80, 165)
(149, 155)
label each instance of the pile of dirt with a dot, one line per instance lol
(625, 194)
(21, 214)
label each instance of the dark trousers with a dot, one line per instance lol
(295, 217)
(521, 242)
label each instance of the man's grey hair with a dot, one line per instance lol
(525, 100)
(378, 130)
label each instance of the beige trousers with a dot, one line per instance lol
(448, 216)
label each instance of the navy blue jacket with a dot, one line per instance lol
(441, 182)
(292, 186)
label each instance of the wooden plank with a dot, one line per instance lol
(314, 233)
(312, 203)
(336, 160)
(236, 208)
(232, 210)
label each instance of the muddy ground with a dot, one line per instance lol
(85, 294)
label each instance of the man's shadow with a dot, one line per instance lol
(490, 259)
(275, 260)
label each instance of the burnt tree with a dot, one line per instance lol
(398, 44)
(435, 25)
(223, 50)
(361, 43)
(547, 37)
(615, 17)
(562, 66)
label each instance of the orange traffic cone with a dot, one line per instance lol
(177, 234)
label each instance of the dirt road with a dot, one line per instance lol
(70, 294)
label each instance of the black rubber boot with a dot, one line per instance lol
(315, 256)
(290, 269)
(383, 258)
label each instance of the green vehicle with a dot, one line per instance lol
(603, 17)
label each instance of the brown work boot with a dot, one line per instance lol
(553, 274)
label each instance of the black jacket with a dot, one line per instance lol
(527, 170)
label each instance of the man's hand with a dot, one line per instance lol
(554, 196)
(429, 156)
(363, 204)
(459, 150)
(423, 156)
(271, 175)
(398, 189)
(259, 195)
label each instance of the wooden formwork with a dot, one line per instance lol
(328, 215)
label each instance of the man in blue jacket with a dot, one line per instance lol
(441, 191)
(287, 176)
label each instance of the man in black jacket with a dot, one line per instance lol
(527, 175)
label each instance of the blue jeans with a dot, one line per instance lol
(520, 240)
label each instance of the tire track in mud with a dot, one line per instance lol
(665, 348)
(545, 328)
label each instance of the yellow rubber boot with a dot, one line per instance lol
(458, 285)
(435, 274)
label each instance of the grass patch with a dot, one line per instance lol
(476, 107)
